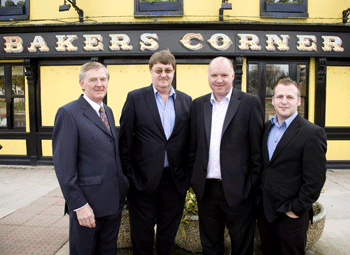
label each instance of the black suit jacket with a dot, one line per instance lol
(86, 159)
(240, 150)
(293, 178)
(142, 141)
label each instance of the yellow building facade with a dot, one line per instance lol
(44, 43)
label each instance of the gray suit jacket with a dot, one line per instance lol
(86, 159)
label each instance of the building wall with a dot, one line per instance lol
(324, 11)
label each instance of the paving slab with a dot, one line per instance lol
(32, 220)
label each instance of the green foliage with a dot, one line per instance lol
(190, 208)
(9, 3)
(21, 3)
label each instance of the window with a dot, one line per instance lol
(12, 101)
(149, 8)
(263, 76)
(14, 9)
(283, 8)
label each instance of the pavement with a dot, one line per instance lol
(32, 220)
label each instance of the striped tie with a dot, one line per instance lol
(104, 118)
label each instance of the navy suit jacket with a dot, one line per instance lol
(143, 143)
(293, 178)
(240, 148)
(86, 159)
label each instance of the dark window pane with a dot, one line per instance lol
(2, 77)
(301, 78)
(274, 73)
(269, 109)
(17, 80)
(253, 79)
(19, 113)
(301, 108)
(3, 118)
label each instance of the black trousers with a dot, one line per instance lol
(94, 241)
(215, 213)
(164, 208)
(285, 235)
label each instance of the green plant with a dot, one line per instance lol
(190, 208)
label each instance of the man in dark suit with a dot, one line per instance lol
(153, 144)
(294, 173)
(88, 168)
(226, 162)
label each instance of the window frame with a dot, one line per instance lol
(157, 9)
(279, 10)
(16, 12)
(9, 97)
(293, 64)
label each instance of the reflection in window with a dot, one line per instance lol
(19, 112)
(253, 79)
(14, 9)
(3, 119)
(284, 8)
(17, 80)
(262, 83)
(146, 8)
(2, 77)
(12, 97)
(285, 1)
(273, 74)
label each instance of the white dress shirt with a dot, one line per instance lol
(217, 122)
(93, 104)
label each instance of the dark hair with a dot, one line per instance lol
(164, 57)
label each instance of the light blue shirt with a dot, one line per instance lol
(276, 132)
(167, 115)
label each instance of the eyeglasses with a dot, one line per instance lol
(160, 71)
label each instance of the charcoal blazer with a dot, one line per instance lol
(142, 141)
(86, 159)
(293, 178)
(240, 149)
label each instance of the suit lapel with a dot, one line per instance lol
(231, 110)
(178, 112)
(152, 104)
(207, 118)
(264, 147)
(290, 133)
(90, 113)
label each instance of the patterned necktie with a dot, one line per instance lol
(104, 118)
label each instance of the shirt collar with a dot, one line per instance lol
(286, 123)
(172, 91)
(93, 104)
(227, 97)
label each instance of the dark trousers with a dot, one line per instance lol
(94, 241)
(164, 208)
(285, 235)
(214, 213)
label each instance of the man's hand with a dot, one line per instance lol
(86, 216)
(290, 214)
